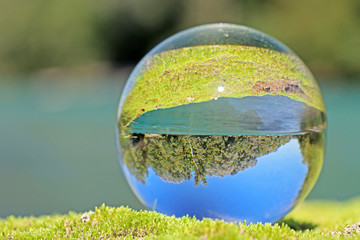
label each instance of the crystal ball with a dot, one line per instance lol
(221, 121)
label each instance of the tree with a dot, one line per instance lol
(176, 158)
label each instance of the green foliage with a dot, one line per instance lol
(194, 73)
(312, 220)
(178, 158)
(129, 29)
(48, 33)
(324, 32)
(45, 33)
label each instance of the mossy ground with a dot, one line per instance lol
(193, 74)
(311, 220)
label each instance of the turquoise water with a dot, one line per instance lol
(58, 153)
(251, 115)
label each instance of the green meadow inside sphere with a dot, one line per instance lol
(221, 121)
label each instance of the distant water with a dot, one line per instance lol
(251, 115)
(57, 139)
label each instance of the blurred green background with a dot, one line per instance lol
(63, 65)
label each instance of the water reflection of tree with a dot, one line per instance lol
(179, 158)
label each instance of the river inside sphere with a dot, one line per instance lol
(221, 121)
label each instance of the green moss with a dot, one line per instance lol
(312, 220)
(193, 74)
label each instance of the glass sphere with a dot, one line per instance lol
(221, 121)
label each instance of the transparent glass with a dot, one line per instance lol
(221, 121)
